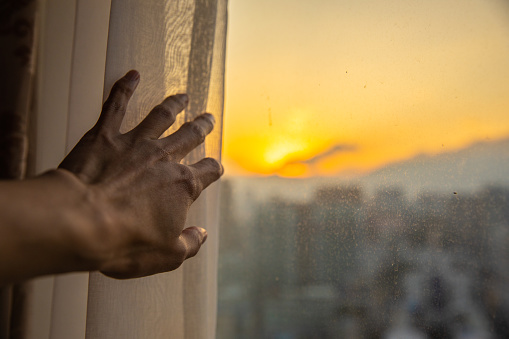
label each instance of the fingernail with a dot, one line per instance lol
(210, 117)
(132, 75)
(203, 233)
(183, 97)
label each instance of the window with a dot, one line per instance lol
(367, 152)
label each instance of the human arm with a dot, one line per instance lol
(118, 202)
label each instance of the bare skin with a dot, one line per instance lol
(117, 203)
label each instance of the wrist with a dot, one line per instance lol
(85, 222)
(48, 226)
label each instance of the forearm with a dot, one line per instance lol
(44, 226)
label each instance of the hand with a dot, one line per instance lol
(139, 190)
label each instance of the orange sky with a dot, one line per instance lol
(335, 87)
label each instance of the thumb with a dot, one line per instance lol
(193, 238)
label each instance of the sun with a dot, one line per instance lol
(277, 153)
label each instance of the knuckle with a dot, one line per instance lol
(113, 105)
(100, 136)
(107, 140)
(185, 172)
(190, 182)
(122, 87)
(165, 113)
(162, 153)
(197, 131)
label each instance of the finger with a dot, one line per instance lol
(206, 171)
(189, 136)
(115, 106)
(161, 117)
(193, 238)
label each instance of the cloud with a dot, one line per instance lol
(325, 154)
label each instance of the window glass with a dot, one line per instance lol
(366, 192)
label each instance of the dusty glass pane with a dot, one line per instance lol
(367, 158)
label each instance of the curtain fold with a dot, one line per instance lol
(18, 41)
(17, 38)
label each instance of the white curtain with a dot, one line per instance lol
(85, 45)
(177, 49)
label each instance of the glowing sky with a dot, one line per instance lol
(330, 87)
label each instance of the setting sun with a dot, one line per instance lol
(276, 154)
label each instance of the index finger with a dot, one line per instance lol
(115, 105)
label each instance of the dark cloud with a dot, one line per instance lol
(339, 148)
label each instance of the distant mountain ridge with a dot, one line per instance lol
(481, 164)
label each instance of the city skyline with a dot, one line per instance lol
(347, 264)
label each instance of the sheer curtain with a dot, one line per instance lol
(177, 48)
(85, 45)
